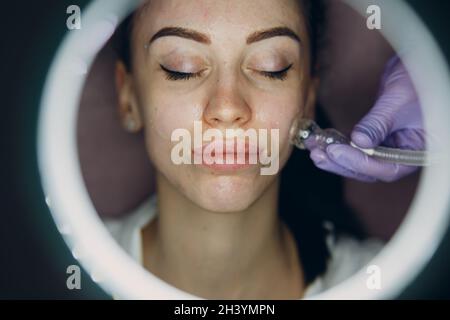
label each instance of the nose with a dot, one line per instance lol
(227, 108)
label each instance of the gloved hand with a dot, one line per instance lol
(394, 121)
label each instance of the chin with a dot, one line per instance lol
(228, 193)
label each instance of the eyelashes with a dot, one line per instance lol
(176, 75)
(277, 75)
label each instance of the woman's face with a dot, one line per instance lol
(228, 65)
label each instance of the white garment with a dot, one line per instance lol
(347, 255)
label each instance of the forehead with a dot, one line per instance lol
(219, 16)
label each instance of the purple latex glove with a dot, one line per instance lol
(394, 121)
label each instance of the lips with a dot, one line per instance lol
(227, 147)
(235, 155)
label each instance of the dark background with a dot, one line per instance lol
(29, 267)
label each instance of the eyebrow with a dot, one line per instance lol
(182, 33)
(271, 33)
(203, 38)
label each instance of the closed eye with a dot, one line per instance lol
(176, 75)
(276, 75)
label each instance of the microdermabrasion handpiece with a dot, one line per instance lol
(306, 129)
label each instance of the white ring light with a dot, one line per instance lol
(400, 261)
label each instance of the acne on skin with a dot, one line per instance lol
(262, 113)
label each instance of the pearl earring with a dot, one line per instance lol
(131, 124)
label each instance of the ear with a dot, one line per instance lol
(309, 111)
(128, 107)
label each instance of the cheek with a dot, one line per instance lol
(279, 113)
(163, 114)
(166, 114)
(163, 110)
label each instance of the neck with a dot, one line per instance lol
(247, 254)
